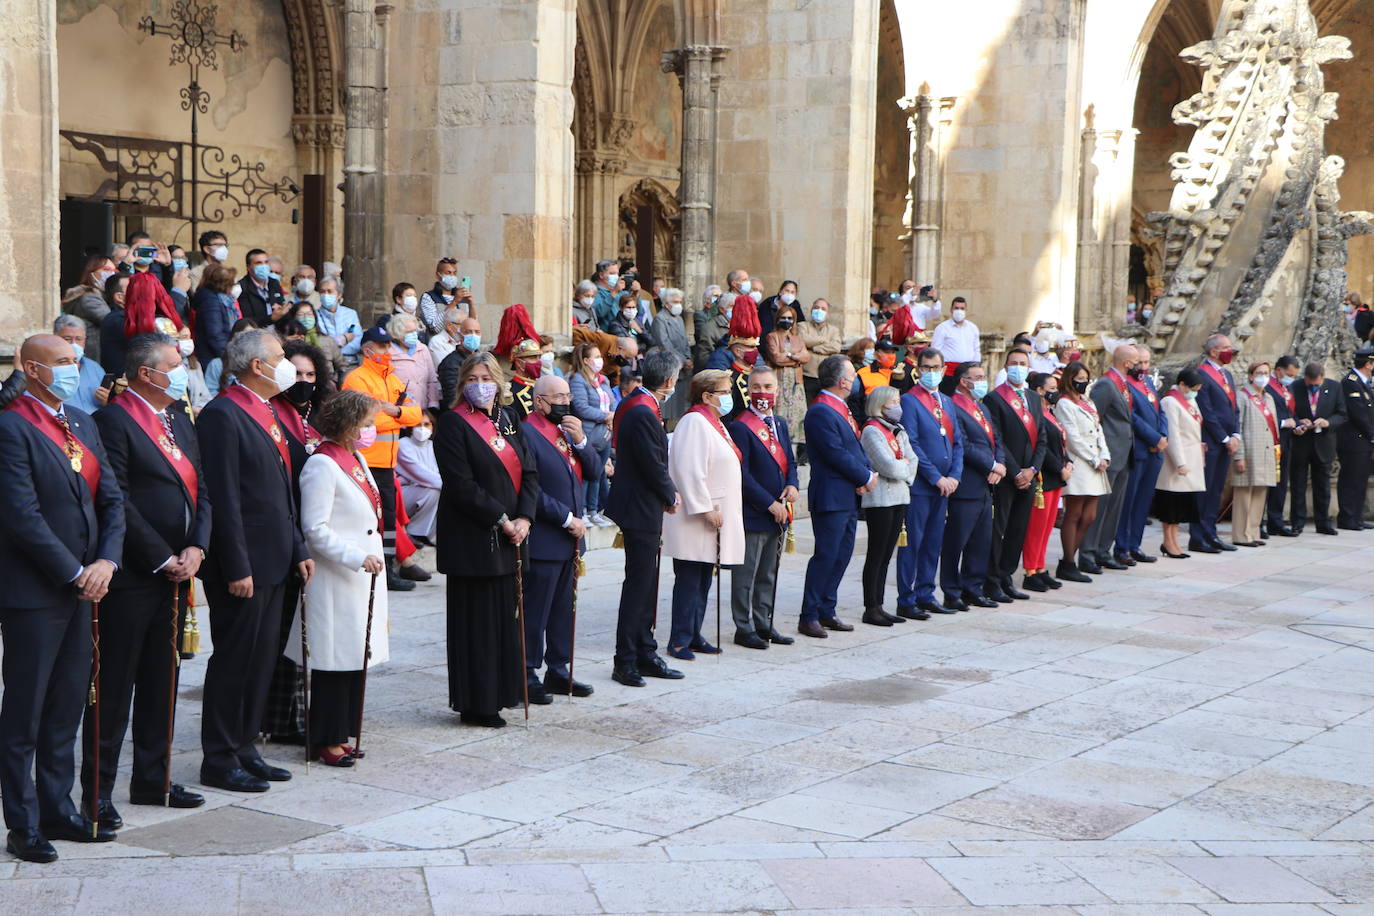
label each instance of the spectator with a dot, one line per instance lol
(469, 341)
(785, 350)
(606, 277)
(260, 297)
(893, 459)
(958, 339)
(712, 323)
(1256, 467)
(1181, 479)
(584, 304)
(214, 249)
(339, 322)
(670, 332)
(1087, 448)
(411, 361)
(821, 337)
(592, 404)
(303, 314)
(418, 471)
(768, 308)
(926, 309)
(86, 300)
(216, 310)
(90, 395)
(303, 285)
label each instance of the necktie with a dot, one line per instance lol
(1021, 393)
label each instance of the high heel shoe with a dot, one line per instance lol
(341, 759)
(1174, 556)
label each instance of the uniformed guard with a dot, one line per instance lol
(525, 371)
(1354, 440)
(913, 340)
(739, 353)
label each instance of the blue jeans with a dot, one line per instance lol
(595, 491)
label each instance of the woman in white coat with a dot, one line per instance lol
(341, 517)
(709, 527)
(1087, 448)
(1181, 479)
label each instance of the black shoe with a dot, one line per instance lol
(1222, 545)
(954, 603)
(264, 770)
(415, 573)
(1325, 529)
(893, 617)
(109, 815)
(704, 647)
(910, 613)
(978, 600)
(1124, 558)
(538, 695)
(813, 629)
(1141, 556)
(1199, 547)
(236, 780)
(750, 640)
(1032, 582)
(560, 686)
(179, 797)
(76, 829)
(1173, 556)
(1367, 525)
(1011, 592)
(1111, 563)
(1069, 572)
(1282, 531)
(874, 616)
(1087, 565)
(778, 639)
(1049, 580)
(836, 624)
(394, 583)
(995, 594)
(482, 719)
(933, 607)
(657, 667)
(627, 676)
(29, 846)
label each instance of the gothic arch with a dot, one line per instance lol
(313, 31)
(665, 214)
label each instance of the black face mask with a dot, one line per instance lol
(785, 323)
(558, 411)
(301, 392)
(1080, 387)
(1051, 397)
(1137, 372)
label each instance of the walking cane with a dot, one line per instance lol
(172, 692)
(305, 680)
(367, 657)
(777, 571)
(658, 568)
(94, 699)
(579, 570)
(520, 621)
(718, 592)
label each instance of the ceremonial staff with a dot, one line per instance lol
(520, 621)
(367, 656)
(172, 691)
(94, 700)
(305, 677)
(579, 570)
(717, 572)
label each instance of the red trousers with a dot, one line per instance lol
(1039, 530)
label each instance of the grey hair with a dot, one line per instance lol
(711, 291)
(67, 321)
(397, 326)
(584, 286)
(657, 367)
(301, 267)
(1212, 342)
(831, 369)
(671, 292)
(727, 300)
(454, 315)
(145, 350)
(244, 347)
(877, 400)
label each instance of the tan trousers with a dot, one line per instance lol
(1247, 511)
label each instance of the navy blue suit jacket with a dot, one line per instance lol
(560, 493)
(1147, 421)
(1219, 416)
(641, 488)
(838, 463)
(979, 455)
(1278, 402)
(938, 456)
(761, 478)
(52, 526)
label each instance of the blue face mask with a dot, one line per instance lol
(65, 381)
(262, 273)
(472, 342)
(80, 351)
(727, 404)
(411, 340)
(744, 287)
(178, 264)
(818, 315)
(980, 389)
(177, 380)
(1017, 374)
(930, 379)
(307, 322)
(329, 301)
(274, 275)
(728, 313)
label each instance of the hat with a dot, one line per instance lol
(1365, 352)
(377, 335)
(885, 344)
(744, 323)
(515, 327)
(526, 349)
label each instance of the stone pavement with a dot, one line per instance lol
(1159, 742)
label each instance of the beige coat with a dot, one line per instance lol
(1256, 446)
(821, 340)
(706, 472)
(1184, 450)
(1087, 445)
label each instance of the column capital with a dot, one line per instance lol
(675, 60)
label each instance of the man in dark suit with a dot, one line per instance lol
(1016, 411)
(1354, 439)
(1216, 400)
(768, 478)
(153, 452)
(1112, 396)
(1281, 397)
(59, 547)
(936, 437)
(840, 473)
(1319, 407)
(968, 529)
(1151, 437)
(641, 491)
(255, 543)
(559, 449)
(260, 296)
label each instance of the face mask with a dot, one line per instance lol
(220, 253)
(787, 298)
(906, 298)
(629, 314)
(1017, 374)
(1042, 346)
(958, 315)
(930, 379)
(100, 278)
(1080, 387)
(1192, 395)
(307, 322)
(179, 264)
(596, 363)
(785, 323)
(480, 394)
(275, 276)
(727, 404)
(367, 437)
(532, 368)
(1052, 397)
(675, 309)
(177, 380)
(304, 287)
(1260, 381)
(186, 347)
(893, 412)
(301, 392)
(763, 401)
(980, 389)
(262, 273)
(728, 313)
(144, 262)
(887, 359)
(472, 342)
(1288, 380)
(236, 291)
(744, 287)
(449, 281)
(818, 315)
(79, 350)
(1073, 356)
(868, 356)
(1136, 372)
(411, 340)
(587, 301)
(612, 280)
(750, 357)
(421, 434)
(1146, 313)
(756, 296)
(329, 301)
(557, 412)
(381, 357)
(284, 374)
(408, 304)
(546, 359)
(1225, 356)
(65, 380)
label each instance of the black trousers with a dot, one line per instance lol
(812, 387)
(47, 664)
(245, 632)
(884, 525)
(548, 616)
(634, 628)
(1352, 483)
(138, 638)
(334, 699)
(1011, 510)
(1279, 492)
(1307, 463)
(386, 488)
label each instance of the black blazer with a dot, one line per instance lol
(1012, 433)
(1056, 456)
(253, 305)
(477, 492)
(160, 518)
(255, 530)
(560, 492)
(52, 525)
(112, 342)
(979, 456)
(1330, 406)
(1355, 435)
(641, 489)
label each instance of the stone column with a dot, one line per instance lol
(364, 188)
(928, 117)
(695, 67)
(1104, 227)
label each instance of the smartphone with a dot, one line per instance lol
(145, 251)
(466, 282)
(108, 381)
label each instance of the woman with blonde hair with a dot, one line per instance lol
(889, 451)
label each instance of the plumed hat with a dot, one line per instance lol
(148, 307)
(515, 327)
(744, 323)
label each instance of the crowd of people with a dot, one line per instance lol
(183, 424)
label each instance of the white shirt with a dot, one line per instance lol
(1045, 363)
(441, 345)
(926, 313)
(958, 342)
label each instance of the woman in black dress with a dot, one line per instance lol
(490, 489)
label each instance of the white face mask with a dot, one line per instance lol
(304, 287)
(220, 253)
(958, 315)
(284, 374)
(1260, 381)
(236, 291)
(587, 301)
(675, 309)
(408, 304)
(546, 359)
(186, 347)
(756, 296)
(595, 363)
(421, 433)
(787, 298)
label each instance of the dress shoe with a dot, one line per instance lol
(1172, 556)
(179, 797)
(264, 770)
(704, 647)
(394, 582)
(836, 624)
(955, 603)
(76, 829)
(1222, 545)
(627, 676)
(29, 846)
(657, 667)
(342, 759)
(537, 694)
(995, 594)
(1068, 571)
(1111, 563)
(1264, 532)
(1326, 529)
(1282, 531)
(1199, 547)
(1012, 592)
(934, 607)
(1049, 580)
(750, 640)
(482, 719)
(109, 815)
(415, 573)
(874, 616)
(778, 639)
(894, 618)
(354, 752)
(560, 686)
(1088, 565)
(978, 600)
(1032, 582)
(911, 613)
(682, 653)
(813, 629)
(236, 780)
(1367, 525)
(1141, 556)
(1351, 527)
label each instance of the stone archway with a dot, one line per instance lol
(648, 205)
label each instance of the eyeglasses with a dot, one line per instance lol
(721, 393)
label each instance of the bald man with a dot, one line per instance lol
(59, 547)
(559, 449)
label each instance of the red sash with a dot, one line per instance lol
(554, 436)
(297, 425)
(81, 459)
(1262, 404)
(482, 425)
(1139, 385)
(349, 462)
(147, 421)
(1122, 386)
(1013, 400)
(257, 408)
(1188, 405)
(829, 401)
(931, 403)
(1049, 415)
(889, 435)
(632, 400)
(1282, 391)
(714, 419)
(1220, 378)
(970, 407)
(754, 423)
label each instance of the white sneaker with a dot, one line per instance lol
(589, 520)
(602, 521)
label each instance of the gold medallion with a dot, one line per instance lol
(275, 432)
(498, 443)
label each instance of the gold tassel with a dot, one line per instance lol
(790, 545)
(190, 634)
(618, 542)
(901, 536)
(1039, 491)
(579, 566)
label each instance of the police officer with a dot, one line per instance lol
(1354, 440)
